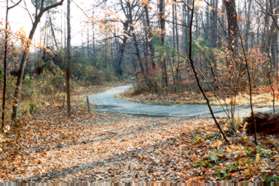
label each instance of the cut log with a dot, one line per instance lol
(265, 123)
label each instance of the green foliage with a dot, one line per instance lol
(213, 158)
(232, 167)
(86, 72)
(58, 82)
(156, 41)
(196, 138)
(92, 71)
(271, 179)
(1, 73)
(28, 87)
(249, 151)
(203, 163)
(224, 172)
(213, 136)
(200, 45)
(264, 153)
(221, 174)
(32, 107)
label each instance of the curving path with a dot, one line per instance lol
(109, 102)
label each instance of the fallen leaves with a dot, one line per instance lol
(94, 147)
(216, 144)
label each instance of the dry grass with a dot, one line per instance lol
(260, 99)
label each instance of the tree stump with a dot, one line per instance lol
(88, 104)
(265, 123)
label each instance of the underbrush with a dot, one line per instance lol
(44, 90)
(262, 97)
(241, 160)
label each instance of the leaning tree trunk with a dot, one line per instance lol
(26, 49)
(25, 53)
(196, 74)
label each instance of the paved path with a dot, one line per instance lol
(109, 102)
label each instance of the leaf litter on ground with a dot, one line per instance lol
(100, 146)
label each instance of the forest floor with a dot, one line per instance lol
(48, 146)
(262, 97)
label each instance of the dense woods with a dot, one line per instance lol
(221, 53)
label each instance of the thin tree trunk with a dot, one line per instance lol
(6, 40)
(149, 36)
(26, 49)
(162, 38)
(186, 17)
(173, 60)
(19, 80)
(68, 58)
(248, 24)
(138, 55)
(53, 33)
(196, 74)
(214, 24)
(274, 30)
(232, 24)
(250, 90)
(177, 75)
(5, 66)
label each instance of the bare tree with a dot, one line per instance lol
(53, 32)
(232, 24)
(119, 60)
(41, 7)
(149, 35)
(68, 58)
(234, 35)
(190, 57)
(186, 20)
(162, 21)
(6, 40)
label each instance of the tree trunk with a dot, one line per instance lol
(19, 80)
(162, 38)
(149, 36)
(68, 58)
(248, 23)
(213, 24)
(53, 32)
(118, 64)
(274, 10)
(26, 49)
(6, 37)
(190, 57)
(232, 24)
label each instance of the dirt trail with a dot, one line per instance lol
(109, 101)
(86, 147)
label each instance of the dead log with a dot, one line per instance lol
(265, 123)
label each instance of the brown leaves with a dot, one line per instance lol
(54, 142)
(126, 146)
